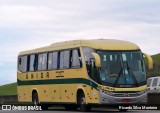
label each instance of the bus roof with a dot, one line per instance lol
(103, 44)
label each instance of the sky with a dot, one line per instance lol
(29, 24)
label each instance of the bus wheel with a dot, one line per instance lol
(35, 99)
(82, 102)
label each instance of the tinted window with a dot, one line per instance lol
(42, 61)
(64, 59)
(55, 56)
(87, 52)
(155, 82)
(22, 63)
(121, 68)
(76, 59)
(52, 60)
(89, 59)
(61, 60)
(32, 63)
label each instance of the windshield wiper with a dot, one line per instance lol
(119, 74)
(132, 74)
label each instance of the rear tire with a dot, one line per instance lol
(35, 99)
(82, 102)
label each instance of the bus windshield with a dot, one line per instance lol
(122, 69)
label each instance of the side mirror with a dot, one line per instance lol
(149, 60)
(97, 59)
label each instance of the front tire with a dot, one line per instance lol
(82, 102)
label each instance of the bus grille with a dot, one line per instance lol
(126, 94)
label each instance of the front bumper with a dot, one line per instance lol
(107, 99)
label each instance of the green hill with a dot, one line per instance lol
(8, 89)
(156, 69)
(156, 58)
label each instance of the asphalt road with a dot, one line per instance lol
(94, 110)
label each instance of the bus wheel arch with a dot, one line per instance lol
(79, 91)
(81, 101)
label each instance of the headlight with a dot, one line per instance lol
(142, 92)
(106, 92)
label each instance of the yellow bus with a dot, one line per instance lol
(82, 73)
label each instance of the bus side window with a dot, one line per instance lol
(76, 59)
(53, 60)
(88, 57)
(50, 60)
(64, 59)
(42, 61)
(22, 63)
(31, 66)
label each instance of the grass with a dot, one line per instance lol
(8, 89)
(156, 69)
(156, 59)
